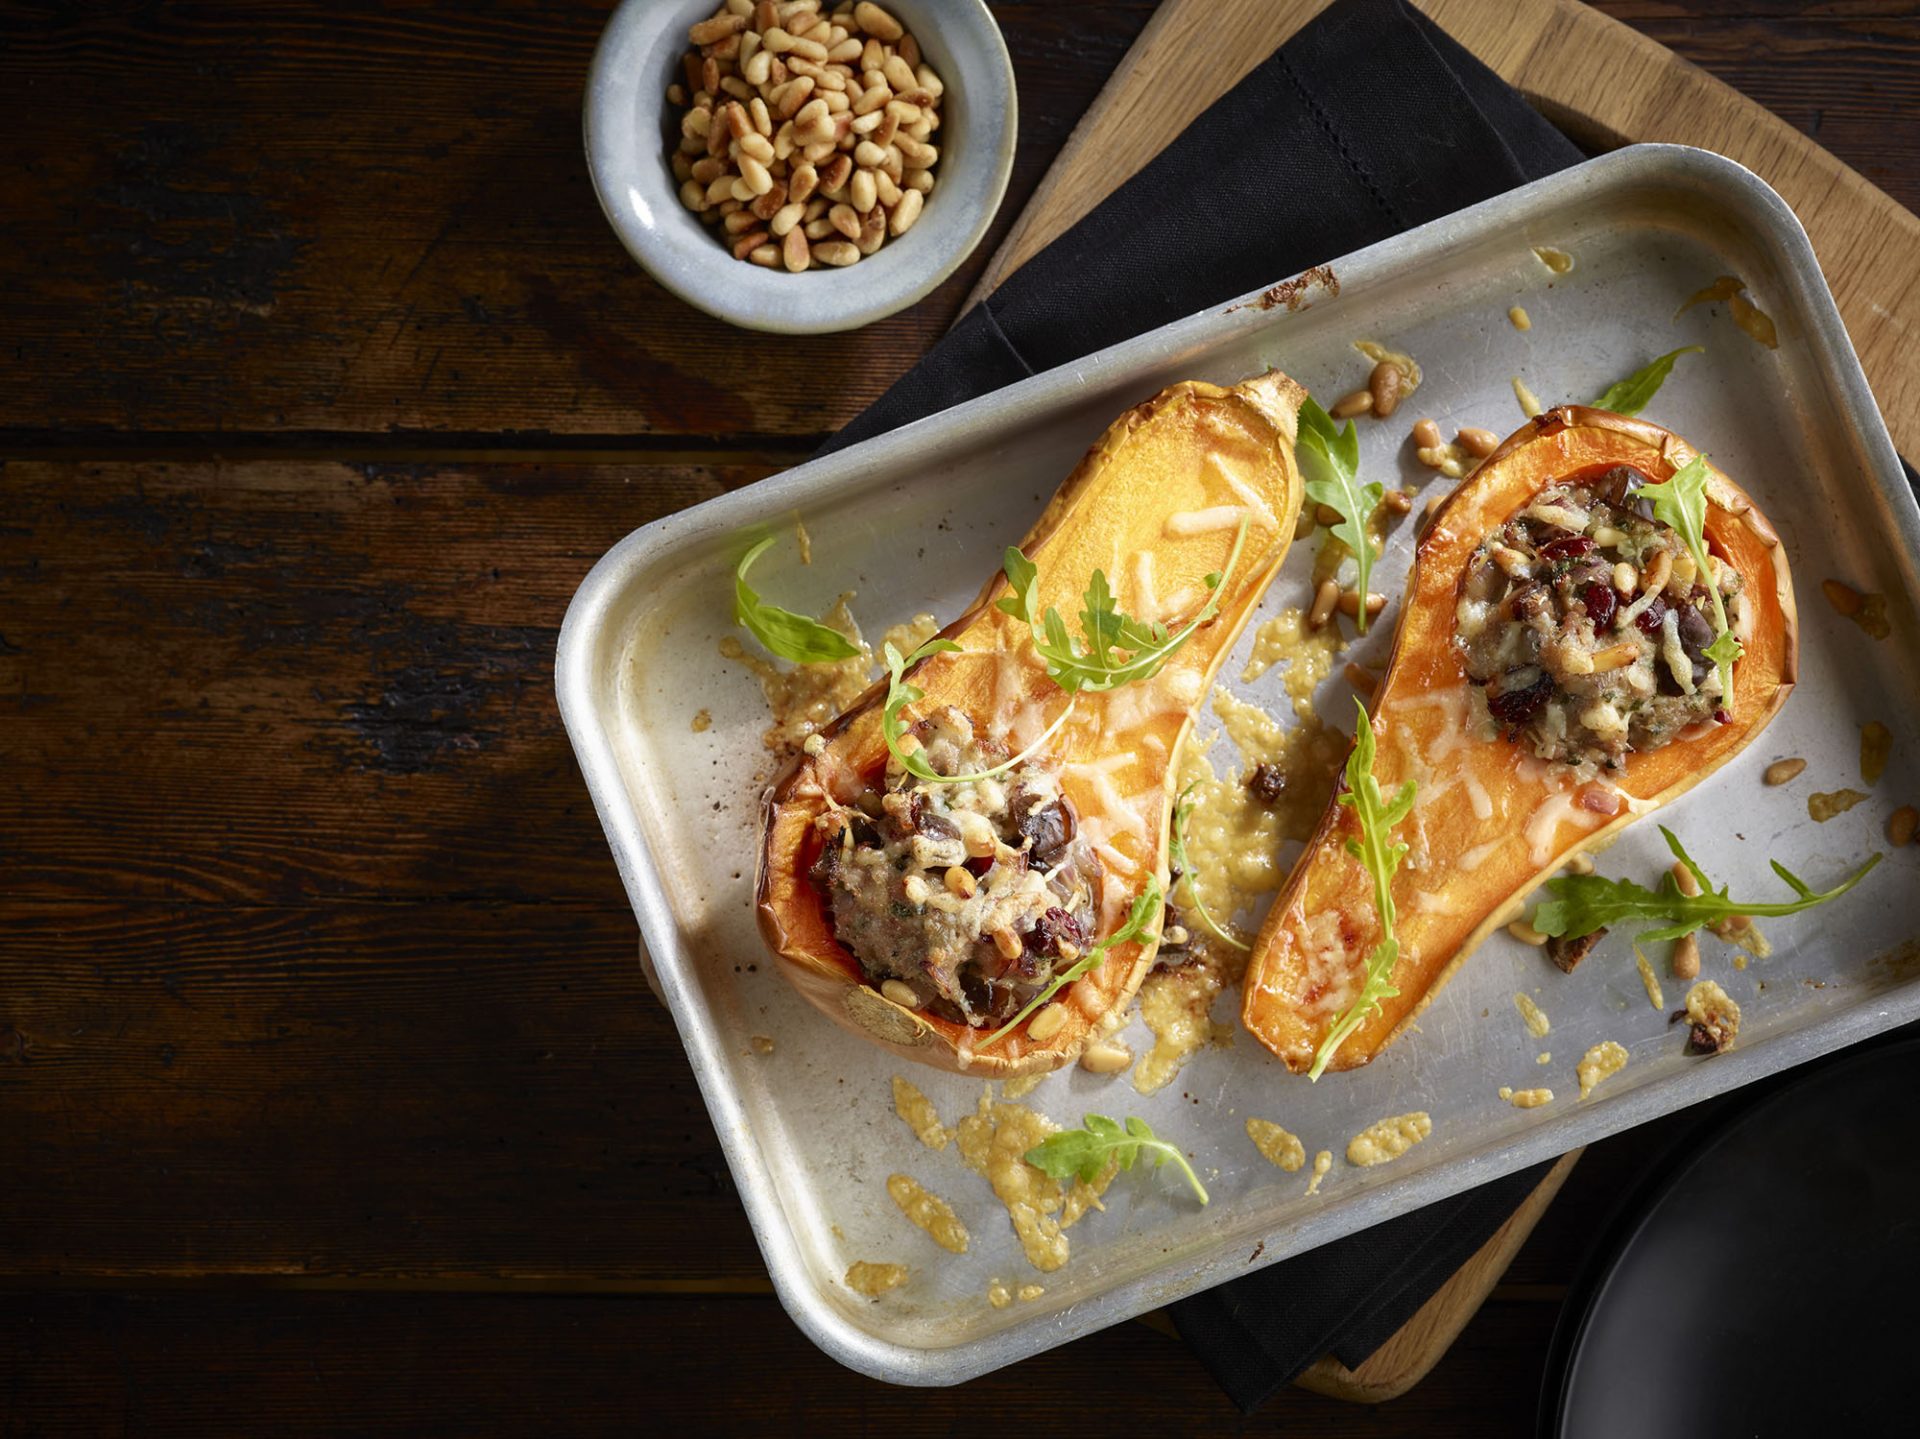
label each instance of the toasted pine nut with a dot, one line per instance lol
(1614, 657)
(1526, 933)
(758, 66)
(837, 172)
(838, 253)
(846, 220)
(757, 146)
(1426, 434)
(1303, 523)
(817, 230)
(1580, 864)
(877, 22)
(1175, 936)
(1654, 577)
(1477, 442)
(862, 192)
(900, 993)
(1007, 943)
(960, 881)
(1327, 515)
(921, 180)
(1843, 597)
(1783, 770)
(787, 218)
(1350, 603)
(762, 117)
(794, 251)
(1625, 577)
(755, 174)
(1385, 383)
(1324, 599)
(873, 231)
(899, 75)
(1107, 1057)
(906, 212)
(748, 243)
(1067, 950)
(929, 81)
(1901, 825)
(739, 222)
(918, 891)
(1682, 876)
(694, 196)
(888, 191)
(1685, 963)
(1512, 561)
(1398, 502)
(712, 32)
(1347, 406)
(1047, 1023)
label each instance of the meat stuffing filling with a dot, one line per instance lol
(1585, 622)
(968, 893)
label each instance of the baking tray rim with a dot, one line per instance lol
(1742, 195)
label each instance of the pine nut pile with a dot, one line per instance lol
(806, 137)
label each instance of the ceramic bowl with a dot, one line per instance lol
(630, 135)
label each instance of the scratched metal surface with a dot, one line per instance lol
(912, 521)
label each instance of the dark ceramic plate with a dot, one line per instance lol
(1768, 1281)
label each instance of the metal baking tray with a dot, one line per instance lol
(914, 519)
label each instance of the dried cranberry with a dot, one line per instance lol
(1513, 708)
(979, 864)
(1649, 619)
(1601, 602)
(1055, 925)
(1571, 548)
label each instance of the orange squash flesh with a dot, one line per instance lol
(1491, 822)
(1156, 505)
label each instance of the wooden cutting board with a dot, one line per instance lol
(1625, 88)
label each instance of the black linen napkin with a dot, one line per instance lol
(1368, 122)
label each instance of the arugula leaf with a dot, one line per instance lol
(1631, 395)
(1377, 816)
(1330, 463)
(1116, 649)
(1145, 906)
(1584, 903)
(793, 637)
(1178, 846)
(893, 722)
(1681, 502)
(1084, 1153)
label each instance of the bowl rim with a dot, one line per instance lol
(956, 246)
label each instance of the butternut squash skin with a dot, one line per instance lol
(1170, 456)
(1468, 873)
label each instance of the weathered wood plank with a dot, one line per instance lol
(358, 1364)
(271, 683)
(344, 217)
(382, 1092)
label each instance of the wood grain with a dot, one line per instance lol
(380, 1364)
(1410, 1355)
(328, 219)
(279, 683)
(1625, 87)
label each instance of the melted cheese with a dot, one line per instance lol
(1282, 1149)
(1387, 1139)
(1472, 859)
(919, 1114)
(1536, 1018)
(1322, 1162)
(1526, 1098)
(1544, 826)
(1187, 523)
(1603, 1061)
(929, 1211)
(873, 1280)
(993, 1141)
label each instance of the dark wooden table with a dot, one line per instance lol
(330, 1095)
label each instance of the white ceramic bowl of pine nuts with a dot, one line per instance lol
(801, 166)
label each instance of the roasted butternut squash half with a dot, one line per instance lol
(934, 917)
(1556, 674)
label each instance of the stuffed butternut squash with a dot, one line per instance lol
(1567, 660)
(967, 866)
